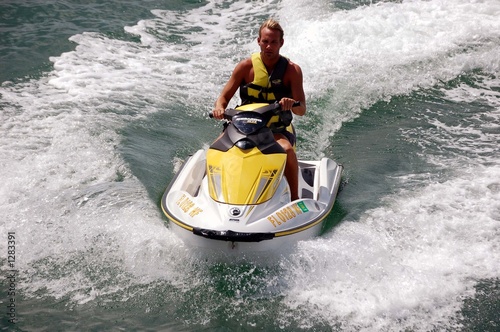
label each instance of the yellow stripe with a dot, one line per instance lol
(177, 222)
(300, 229)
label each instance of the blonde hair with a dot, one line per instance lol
(273, 25)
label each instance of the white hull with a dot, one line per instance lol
(201, 222)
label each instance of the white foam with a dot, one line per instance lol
(76, 208)
(407, 263)
(354, 58)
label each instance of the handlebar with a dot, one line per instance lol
(275, 107)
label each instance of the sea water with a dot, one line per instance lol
(101, 102)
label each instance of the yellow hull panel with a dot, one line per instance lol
(243, 177)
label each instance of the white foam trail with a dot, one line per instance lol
(406, 264)
(213, 40)
(351, 59)
(84, 223)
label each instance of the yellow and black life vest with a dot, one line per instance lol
(265, 88)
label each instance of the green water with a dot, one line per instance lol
(93, 129)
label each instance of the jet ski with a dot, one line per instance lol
(233, 197)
